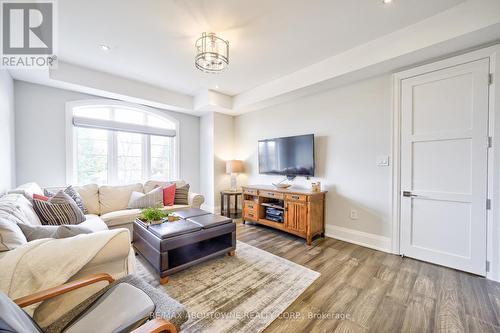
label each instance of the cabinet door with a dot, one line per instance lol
(296, 216)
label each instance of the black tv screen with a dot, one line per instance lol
(290, 156)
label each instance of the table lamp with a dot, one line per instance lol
(234, 167)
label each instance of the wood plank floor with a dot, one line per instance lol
(376, 291)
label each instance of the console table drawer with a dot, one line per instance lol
(296, 197)
(250, 191)
(271, 194)
(250, 214)
(250, 205)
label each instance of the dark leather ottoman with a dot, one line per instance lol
(173, 246)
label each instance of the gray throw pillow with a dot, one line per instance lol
(33, 232)
(70, 190)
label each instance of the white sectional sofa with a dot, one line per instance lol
(115, 258)
(110, 202)
(106, 209)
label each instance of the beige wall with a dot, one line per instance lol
(352, 125)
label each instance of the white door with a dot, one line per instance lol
(444, 147)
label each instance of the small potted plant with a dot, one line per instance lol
(171, 217)
(152, 215)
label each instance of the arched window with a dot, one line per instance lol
(112, 142)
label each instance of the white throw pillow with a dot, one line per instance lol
(11, 235)
(153, 198)
(27, 190)
(18, 204)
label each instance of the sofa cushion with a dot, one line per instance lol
(90, 198)
(27, 190)
(113, 198)
(151, 184)
(125, 216)
(94, 223)
(11, 235)
(153, 198)
(60, 209)
(73, 193)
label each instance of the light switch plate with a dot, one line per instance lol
(383, 160)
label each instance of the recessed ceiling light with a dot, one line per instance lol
(386, 1)
(105, 47)
(216, 86)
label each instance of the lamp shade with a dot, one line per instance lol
(234, 166)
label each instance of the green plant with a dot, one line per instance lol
(152, 214)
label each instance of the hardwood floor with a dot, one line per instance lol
(376, 291)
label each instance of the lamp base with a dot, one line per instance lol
(234, 186)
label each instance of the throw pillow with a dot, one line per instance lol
(70, 190)
(40, 197)
(32, 232)
(150, 199)
(60, 209)
(169, 195)
(181, 195)
(52, 231)
(11, 235)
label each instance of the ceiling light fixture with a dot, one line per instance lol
(212, 53)
(104, 47)
(386, 1)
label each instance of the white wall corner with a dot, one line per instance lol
(373, 241)
(210, 100)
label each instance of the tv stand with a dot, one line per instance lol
(303, 210)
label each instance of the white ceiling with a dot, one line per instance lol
(153, 41)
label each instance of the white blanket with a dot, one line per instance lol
(47, 263)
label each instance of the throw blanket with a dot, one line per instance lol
(47, 263)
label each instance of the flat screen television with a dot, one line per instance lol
(289, 156)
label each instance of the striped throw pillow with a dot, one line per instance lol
(57, 210)
(153, 198)
(181, 195)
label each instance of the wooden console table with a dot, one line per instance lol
(303, 210)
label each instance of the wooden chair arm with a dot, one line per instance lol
(156, 326)
(62, 289)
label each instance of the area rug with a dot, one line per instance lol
(244, 293)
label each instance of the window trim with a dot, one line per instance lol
(71, 134)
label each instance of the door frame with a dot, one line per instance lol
(493, 215)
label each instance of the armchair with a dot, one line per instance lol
(132, 317)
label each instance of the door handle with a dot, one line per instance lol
(409, 194)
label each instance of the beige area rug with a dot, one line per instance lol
(244, 293)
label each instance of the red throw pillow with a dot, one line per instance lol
(40, 197)
(169, 195)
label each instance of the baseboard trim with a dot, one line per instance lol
(373, 241)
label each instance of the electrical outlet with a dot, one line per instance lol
(354, 214)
